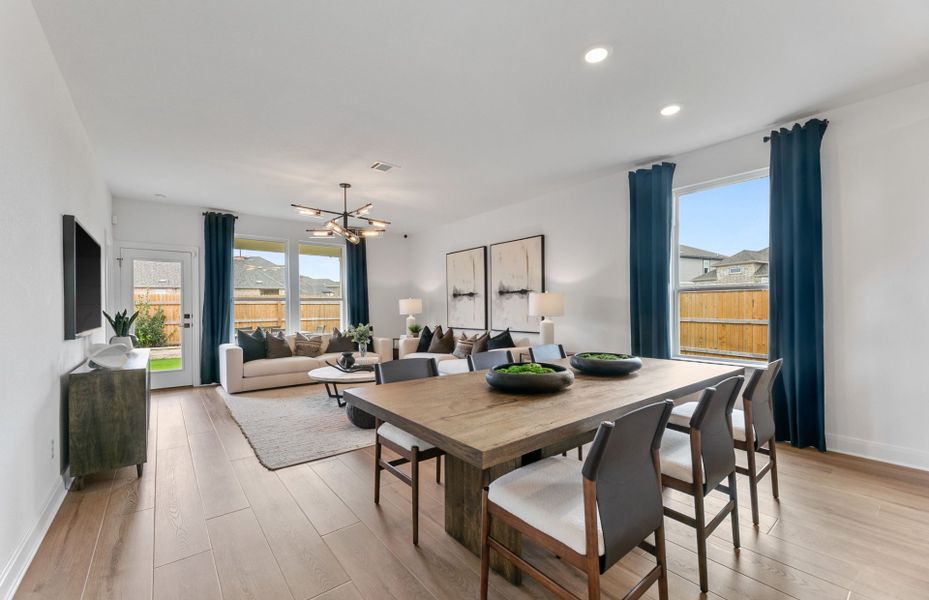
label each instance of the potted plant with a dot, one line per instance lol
(361, 335)
(414, 330)
(121, 324)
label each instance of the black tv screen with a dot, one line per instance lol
(82, 279)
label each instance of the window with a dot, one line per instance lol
(321, 305)
(259, 274)
(721, 279)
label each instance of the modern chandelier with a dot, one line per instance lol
(339, 225)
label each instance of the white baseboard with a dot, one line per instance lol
(25, 551)
(888, 453)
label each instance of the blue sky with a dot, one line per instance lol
(726, 219)
(320, 267)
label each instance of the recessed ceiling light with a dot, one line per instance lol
(670, 110)
(597, 54)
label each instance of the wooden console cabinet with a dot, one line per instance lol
(108, 414)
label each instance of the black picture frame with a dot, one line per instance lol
(493, 300)
(482, 291)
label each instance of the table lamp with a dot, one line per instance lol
(410, 307)
(545, 305)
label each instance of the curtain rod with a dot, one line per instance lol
(205, 213)
(767, 138)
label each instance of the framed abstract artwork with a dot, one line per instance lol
(516, 268)
(466, 288)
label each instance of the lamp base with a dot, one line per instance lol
(410, 320)
(547, 331)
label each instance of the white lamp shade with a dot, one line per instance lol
(546, 304)
(411, 306)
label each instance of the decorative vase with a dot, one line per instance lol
(125, 340)
(347, 360)
(363, 349)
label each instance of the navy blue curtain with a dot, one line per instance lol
(357, 288)
(796, 282)
(650, 211)
(218, 237)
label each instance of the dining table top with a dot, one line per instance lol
(465, 417)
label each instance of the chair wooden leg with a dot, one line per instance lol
(753, 480)
(772, 447)
(734, 496)
(593, 578)
(377, 469)
(485, 546)
(438, 469)
(414, 476)
(700, 518)
(661, 555)
(580, 453)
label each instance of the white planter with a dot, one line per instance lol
(124, 340)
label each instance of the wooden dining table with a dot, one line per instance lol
(487, 433)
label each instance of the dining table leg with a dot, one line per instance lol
(463, 485)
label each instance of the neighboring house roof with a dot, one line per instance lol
(708, 276)
(691, 252)
(248, 272)
(156, 274)
(745, 256)
(762, 271)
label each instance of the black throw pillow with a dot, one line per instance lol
(425, 338)
(501, 340)
(278, 346)
(253, 344)
(339, 342)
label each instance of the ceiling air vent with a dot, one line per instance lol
(382, 166)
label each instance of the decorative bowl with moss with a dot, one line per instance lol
(529, 378)
(608, 364)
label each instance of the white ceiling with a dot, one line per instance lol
(249, 105)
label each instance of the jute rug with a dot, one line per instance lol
(293, 425)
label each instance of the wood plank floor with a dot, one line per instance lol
(207, 521)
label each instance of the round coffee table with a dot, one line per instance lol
(333, 378)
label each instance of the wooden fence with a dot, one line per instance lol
(724, 322)
(269, 312)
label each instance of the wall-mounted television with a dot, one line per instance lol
(82, 279)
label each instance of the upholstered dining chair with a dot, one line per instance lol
(752, 429)
(697, 458)
(410, 448)
(590, 514)
(552, 352)
(482, 361)
(546, 352)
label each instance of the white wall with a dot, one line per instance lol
(590, 266)
(179, 225)
(47, 169)
(876, 251)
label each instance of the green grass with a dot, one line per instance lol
(166, 364)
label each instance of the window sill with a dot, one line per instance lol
(750, 364)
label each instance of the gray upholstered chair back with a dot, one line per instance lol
(758, 391)
(713, 419)
(482, 361)
(405, 369)
(621, 464)
(546, 352)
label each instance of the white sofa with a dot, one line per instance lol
(449, 364)
(235, 375)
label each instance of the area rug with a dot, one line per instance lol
(289, 426)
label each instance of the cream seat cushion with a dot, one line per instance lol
(675, 456)
(682, 414)
(549, 496)
(438, 356)
(279, 366)
(402, 438)
(453, 367)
